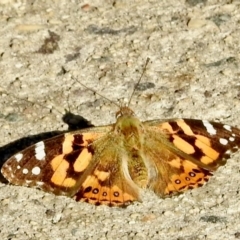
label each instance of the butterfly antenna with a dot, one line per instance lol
(139, 80)
(95, 92)
(29, 101)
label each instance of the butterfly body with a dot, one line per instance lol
(110, 164)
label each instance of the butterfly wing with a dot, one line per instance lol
(108, 165)
(108, 183)
(82, 164)
(183, 153)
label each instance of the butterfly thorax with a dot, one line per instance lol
(129, 127)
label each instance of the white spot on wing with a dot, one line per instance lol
(223, 141)
(36, 170)
(39, 183)
(25, 171)
(18, 167)
(228, 152)
(227, 127)
(40, 151)
(232, 139)
(210, 129)
(18, 157)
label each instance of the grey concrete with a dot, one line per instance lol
(194, 68)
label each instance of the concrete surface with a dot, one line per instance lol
(193, 73)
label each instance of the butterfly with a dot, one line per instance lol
(110, 164)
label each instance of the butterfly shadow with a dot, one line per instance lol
(74, 122)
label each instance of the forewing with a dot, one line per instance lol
(56, 164)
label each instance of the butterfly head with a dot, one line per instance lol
(124, 111)
(127, 124)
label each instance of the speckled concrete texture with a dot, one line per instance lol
(46, 47)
